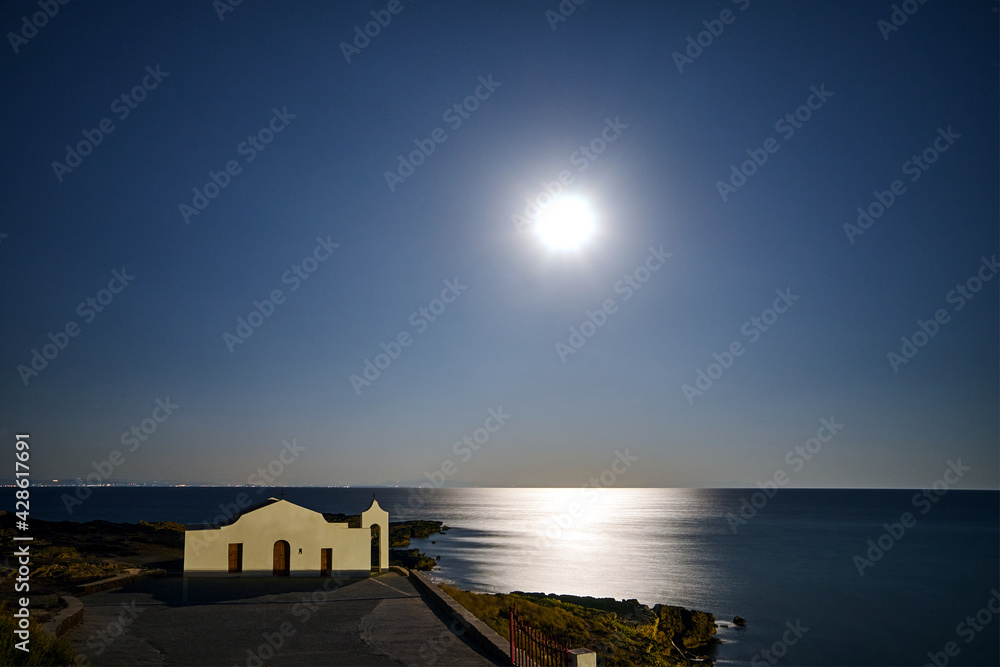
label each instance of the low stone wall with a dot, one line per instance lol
(73, 613)
(67, 618)
(464, 622)
(117, 582)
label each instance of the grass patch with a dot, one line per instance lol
(45, 649)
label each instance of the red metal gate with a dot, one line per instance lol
(532, 648)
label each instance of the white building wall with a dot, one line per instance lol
(206, 552)
(373, 516)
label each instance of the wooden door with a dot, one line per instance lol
(236, 557)
(325, 562)
(282, 557)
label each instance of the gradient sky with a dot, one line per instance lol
(323, 176)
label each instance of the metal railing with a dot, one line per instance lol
(532, 648)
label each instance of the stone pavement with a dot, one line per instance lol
(381, 620)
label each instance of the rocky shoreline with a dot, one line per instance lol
(621, 632)
(693, 629)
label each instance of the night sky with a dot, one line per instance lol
(235, 235)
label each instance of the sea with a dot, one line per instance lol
(822, 576)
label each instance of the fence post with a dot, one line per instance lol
(510, 615)
(582, 657)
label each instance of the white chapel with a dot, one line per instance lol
(279, 538)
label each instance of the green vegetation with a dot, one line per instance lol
(163, 526)
(400, 534)
(413, 559)
(621, 632)
(45, 648)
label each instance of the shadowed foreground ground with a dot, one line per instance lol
(208, 621)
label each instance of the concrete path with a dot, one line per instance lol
(267, 621)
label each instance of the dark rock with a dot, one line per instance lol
(739, 620)
(413, 559)
(693, 628)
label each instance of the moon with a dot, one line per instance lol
(566, 224)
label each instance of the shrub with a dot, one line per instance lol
(46, 649)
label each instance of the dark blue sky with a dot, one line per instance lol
(343, 125)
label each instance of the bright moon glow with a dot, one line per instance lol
(566, 223)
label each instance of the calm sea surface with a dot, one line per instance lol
(792, 562)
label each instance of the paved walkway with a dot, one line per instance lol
(268, 621)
